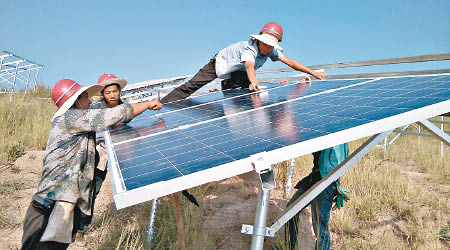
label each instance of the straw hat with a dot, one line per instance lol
(267, 39)
(108, 79)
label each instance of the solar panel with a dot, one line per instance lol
(209, 138)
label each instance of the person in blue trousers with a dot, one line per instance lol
(324, 162)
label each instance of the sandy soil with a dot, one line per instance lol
(30, 170)
(233, 202)
(30, 166)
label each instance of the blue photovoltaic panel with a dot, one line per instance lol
(192, 135)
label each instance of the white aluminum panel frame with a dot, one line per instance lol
(135, 196)
(117, 184)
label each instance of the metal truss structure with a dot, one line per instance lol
(15, 70)
(418, 131)
(142, 91)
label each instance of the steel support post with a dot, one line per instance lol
(420, 130)
(35, 80)
(442, 143)
(317, 188)
(290, 176)
(151, 224)
(28, 80)
(14, 83)
(385, 146)
(1, 63)
(259, 228)
(266, 183)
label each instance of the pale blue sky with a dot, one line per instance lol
(142, 40)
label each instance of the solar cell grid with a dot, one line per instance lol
(222, 128)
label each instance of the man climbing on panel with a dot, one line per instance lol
(237, 64)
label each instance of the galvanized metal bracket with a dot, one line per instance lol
(259, 162)
(260, 231)
(264, 170)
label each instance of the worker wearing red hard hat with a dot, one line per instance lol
(111, 92)
(62, 204)
(237, 64)
(110, 98)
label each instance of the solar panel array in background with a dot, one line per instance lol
(223, 127)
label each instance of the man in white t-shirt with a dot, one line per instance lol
(237, 64)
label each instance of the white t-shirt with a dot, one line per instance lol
(232, 58)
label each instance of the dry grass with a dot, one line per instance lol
(24, 122)
(127, 228)
(399, 200)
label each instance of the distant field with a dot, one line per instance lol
(24, 122)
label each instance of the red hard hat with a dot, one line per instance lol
(64, 89)
(274, 29)
(105, 77)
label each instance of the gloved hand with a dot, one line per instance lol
(342, 195)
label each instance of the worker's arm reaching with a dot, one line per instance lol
(251, 74)
(300, 67)
(139, 108)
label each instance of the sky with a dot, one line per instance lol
(143, 40)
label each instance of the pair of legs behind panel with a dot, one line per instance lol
(320, 209)
(204, 76)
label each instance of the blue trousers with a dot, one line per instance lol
(320, 213)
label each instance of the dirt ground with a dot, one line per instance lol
(30, 170)
(30, 166)
(227, 209)
(228, 204)
(233, 202)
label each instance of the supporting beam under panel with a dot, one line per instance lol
(151, 226)
(290, 176)
(399, 133)
(317, 188)
(436, 131)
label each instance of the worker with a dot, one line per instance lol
(64, 195)
(110, 98)
(236, 64)
(324, 162)
(111, 92)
